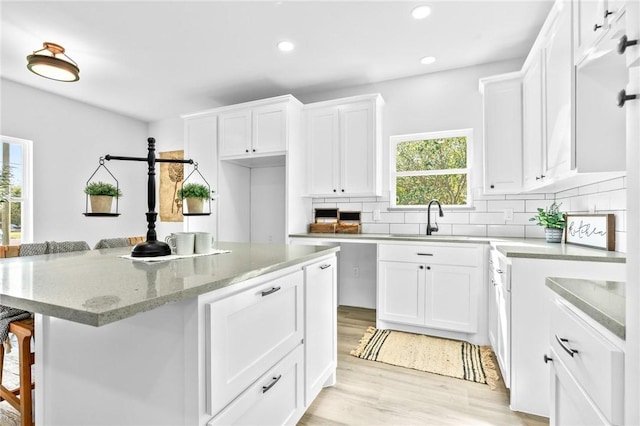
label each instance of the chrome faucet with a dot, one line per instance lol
(434, 228)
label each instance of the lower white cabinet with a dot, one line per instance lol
(272, 347)
(251, 331)
(430, 288)
(274, 399)
(500, 312)
(587, 374)
(320, 324)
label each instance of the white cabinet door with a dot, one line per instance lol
(269, 129)
(357, 149)
(249, 332)
(502, 116)
(323, 137)
(320, 345)
(401, 292)
(532, 130)
(590, 25)
(558, 90)
(235, 132)
(452, 298)
(201, 146)
(503, 349)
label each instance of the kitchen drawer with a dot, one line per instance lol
(250, 332)
(462, 254)
(274, 399)
(596, 363)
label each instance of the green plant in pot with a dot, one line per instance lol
(553, 220)
(101, 196)
(195, 194)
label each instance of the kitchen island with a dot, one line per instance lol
(180, 342)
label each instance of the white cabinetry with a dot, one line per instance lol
(592, 20)
(530, 312)
(502, 148)
(240, 354)
(532, 124)
(587, 370)
(200, 136)
(256, 128)
(431, 289)
(320, 344)
(500, 312)
(344, 141)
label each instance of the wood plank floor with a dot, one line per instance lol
(373, 393)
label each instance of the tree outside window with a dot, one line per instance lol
(430, 165)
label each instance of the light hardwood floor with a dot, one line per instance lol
(373, 393)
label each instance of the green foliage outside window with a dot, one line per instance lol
(433, 168)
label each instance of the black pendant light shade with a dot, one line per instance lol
(48, 63)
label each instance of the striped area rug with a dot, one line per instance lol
(446, 357)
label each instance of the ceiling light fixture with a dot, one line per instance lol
(421, 12)
(47, 62)
(427, 60)
(285, 46)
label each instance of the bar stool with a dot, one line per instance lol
(20, 398)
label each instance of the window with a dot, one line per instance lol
(425, 166)
(16, 223)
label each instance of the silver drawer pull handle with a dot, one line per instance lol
(564, 344)
(424, 254)
(271, 291)
(324, 266)
(270, 385)
(500, 271)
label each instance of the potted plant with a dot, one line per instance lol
(553, 220)
(195, 194)
(101, 196)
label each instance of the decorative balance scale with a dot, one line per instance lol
(152, 247)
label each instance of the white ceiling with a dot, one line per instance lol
(157, 59)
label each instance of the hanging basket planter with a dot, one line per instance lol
(195, 194)
(100, 194)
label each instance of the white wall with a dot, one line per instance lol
(68, 139)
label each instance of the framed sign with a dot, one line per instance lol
(592, 230)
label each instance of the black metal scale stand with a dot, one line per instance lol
(152, 247)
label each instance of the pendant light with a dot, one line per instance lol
(48, 62)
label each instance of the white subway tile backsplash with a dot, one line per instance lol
(324, 205)
(454, 217)
(533, 205)
(516, 231)
(476, 218)
(415, 217)
(525, 196)
(350, 207)
(470, 230)
(578, 204)
(611, 185)
(598, 202)
(621, 242)
(522, 219)
(568, 193)
(404, 228)
(500, 206)
(618, 199)
(480, 205)
(534, 232)
(366, 217)
(369, 207)
(392, 217)
(588, 189)
(490, 197)
(375, 228)
(363, 199)
(443, 229)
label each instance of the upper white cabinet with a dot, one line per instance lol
(502, 149)
(532, 124)
(592, 20)
(256, 128)
(558, 66)
(344, 146)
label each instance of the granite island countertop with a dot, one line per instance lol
(603, 301)
(532, 248)
(98, 287)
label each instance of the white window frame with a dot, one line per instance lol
(27, 186)
(394, 174)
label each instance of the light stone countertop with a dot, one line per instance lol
(98, 287)
(603, 301)
(531, 248)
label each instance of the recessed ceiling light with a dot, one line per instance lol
(285, 46)
(427, 60)
(421, 12)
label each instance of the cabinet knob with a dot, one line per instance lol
(421, 266)
(596, 27)
(246, 150)
(429, 268)
(342, 190)
(493, 186)
(607, 12)
(547, 359)
(335, 190)
(624, 42)
(623, 97)
(253, 150)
